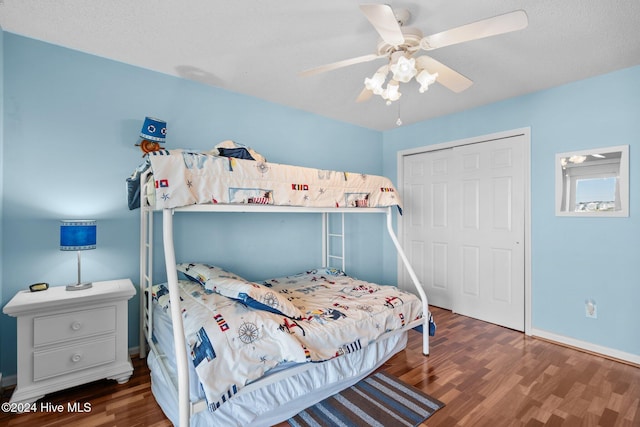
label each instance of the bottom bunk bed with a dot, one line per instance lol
(271, 348)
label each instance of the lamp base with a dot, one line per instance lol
(79, 286)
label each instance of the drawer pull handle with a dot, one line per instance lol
(76, 326)
(76, 358)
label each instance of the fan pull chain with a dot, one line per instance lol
(399, 121)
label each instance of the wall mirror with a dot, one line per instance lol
(593, 182)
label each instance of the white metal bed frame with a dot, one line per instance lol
(186, 407)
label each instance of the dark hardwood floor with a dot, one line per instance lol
(487, 376)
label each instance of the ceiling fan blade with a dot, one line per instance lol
(447, 77)
(365, 95)
(339, 64)
(383, 19)
(500, 24)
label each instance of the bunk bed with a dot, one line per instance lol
(239, 180)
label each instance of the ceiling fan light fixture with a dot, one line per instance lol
(399, 44)
(404, 69)
(374, 84)
(391, 92)
(425, 79)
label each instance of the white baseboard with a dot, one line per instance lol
(134, 350)
(587, 346)
(10, 380)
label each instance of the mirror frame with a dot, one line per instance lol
(623, 180)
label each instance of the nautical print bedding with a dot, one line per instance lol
(232, 344)
(184, 177)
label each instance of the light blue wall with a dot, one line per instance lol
(572, 258)
(70, 120)
(70, 124)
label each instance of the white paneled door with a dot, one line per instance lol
(464, 228)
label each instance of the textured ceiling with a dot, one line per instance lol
(258, 47)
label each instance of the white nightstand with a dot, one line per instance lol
(68, 338)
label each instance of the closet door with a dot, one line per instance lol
(427, 233)
(488, 213)
(464, 228)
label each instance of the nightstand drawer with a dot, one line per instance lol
(50, 363)
(72, 325)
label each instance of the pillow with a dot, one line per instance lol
(235, 287)
(233, 149)
(238, 153)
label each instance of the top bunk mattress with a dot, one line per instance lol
(185, 177)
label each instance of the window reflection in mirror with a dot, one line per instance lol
(593, 182)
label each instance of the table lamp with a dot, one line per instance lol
(78, 235)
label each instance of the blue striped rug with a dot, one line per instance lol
(378, 400)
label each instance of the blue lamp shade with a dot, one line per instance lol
(77, 235)
(154, 129)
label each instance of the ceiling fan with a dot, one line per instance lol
(401, 44)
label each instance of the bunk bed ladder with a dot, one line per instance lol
(332, 240)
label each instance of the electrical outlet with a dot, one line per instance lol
(590, 309)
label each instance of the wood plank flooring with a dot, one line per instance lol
(487, 376)
(112, 404)
(492, 376)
